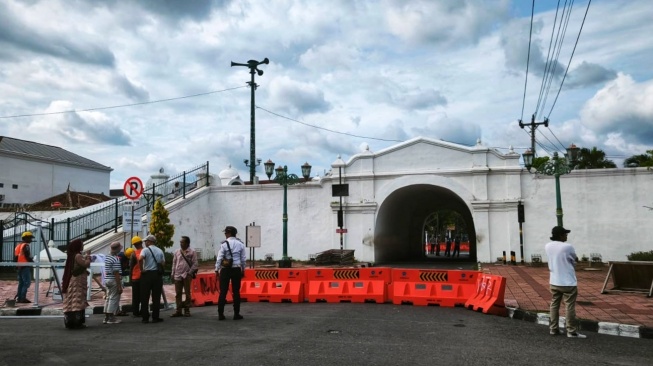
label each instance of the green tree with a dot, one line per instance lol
(539, 161)
(593, 159)
(161, 227)
(641, 160)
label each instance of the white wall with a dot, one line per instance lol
(603, 208)
(39, 180)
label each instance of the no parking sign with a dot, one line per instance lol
(133, 188)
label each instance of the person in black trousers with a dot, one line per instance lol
(151, 261)
(230, 267)
(456, 247)
(135, 275)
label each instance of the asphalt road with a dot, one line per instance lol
(312, 334)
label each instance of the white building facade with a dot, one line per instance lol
(30, 172)
(393, 191)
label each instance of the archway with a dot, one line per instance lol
(399, 235)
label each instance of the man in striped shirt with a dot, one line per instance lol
(112, 270)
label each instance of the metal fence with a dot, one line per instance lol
(94, 220)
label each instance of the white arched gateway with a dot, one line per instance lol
(393, 192)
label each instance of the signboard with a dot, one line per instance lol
(253, 236)
(131, 223)
(341, 231)
(340, 190)
(133, 188)
(134, 203)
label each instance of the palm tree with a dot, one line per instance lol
(640, 160)
(593, 159)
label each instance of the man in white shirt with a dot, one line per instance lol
(232, 269)
(562, 280)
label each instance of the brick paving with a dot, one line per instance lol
(526, 289)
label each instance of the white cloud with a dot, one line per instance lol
(623, 106)
(372, 71)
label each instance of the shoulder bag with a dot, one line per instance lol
(227, 262)
(159, 266)
(193, 273)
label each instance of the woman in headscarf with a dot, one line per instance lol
(74, 285)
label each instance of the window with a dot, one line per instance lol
(14, 186)
(2, 185)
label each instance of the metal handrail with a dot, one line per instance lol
(101, 217)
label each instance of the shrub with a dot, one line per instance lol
(641, 256)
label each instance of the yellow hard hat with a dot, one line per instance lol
(129, 252)
(136, 239)
(26, 234)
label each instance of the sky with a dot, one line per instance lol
(146, 85)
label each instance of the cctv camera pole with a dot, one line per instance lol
(253, 69)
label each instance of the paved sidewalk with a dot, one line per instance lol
(527, 291)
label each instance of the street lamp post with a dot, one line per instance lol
(339, 163)
(555, 167)
(284, 179)
(252, 162)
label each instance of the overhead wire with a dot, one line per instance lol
(528, 61)
(325, 129)
(556, 137)
(571, 57)
(123, 105)
(547, 64)
(559, 48)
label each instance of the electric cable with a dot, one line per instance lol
(571, 57)
(325, 129)
(528, 61)
(123, 105)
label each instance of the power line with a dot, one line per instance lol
(326, 129)
(572, 56)
(528, 61)
(559, 48)
(556, 137)
(547, 65)
(122, 105)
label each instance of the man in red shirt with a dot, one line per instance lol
(23, 255)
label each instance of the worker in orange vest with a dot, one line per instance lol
(23, 255)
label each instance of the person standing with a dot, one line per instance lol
(74, 285)
(432, 245)
(562, 280)
(456, 247)
(135, 275)
(23, 255)
(184, 268)
(230, 267)
(151, 260)
(113, 278)
(447, 250)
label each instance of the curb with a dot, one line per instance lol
(91, 310)
(615, 329)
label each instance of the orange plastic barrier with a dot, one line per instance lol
(358, 285)
(489, 296)
(432, 287)
(273, 285)
(205, 290)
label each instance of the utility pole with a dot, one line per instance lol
(533, 125)
(252, 162)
